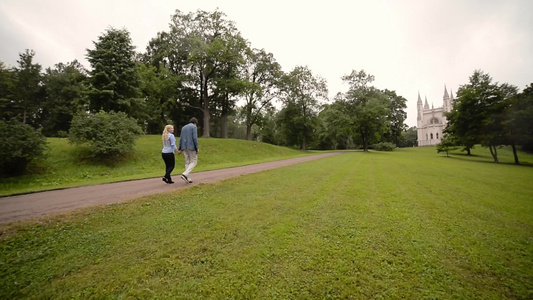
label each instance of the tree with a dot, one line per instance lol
(302, 93)
(66, 94)
(28, 87)
(447, 144)
(465, 121)
(21, 144)
(262, 74)
(201, 44)
(7, 92)
(114, 78)
(333, 132)
(495, 108)
(396, 117)
(519, 124)
(158, 89)
(367, 109)
(229, 81)
(409, 137)
(479, 113)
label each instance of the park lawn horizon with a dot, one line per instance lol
(403, 224)
(63, 166)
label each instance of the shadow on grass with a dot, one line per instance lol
(474, 158)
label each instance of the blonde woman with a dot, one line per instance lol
(169, 146)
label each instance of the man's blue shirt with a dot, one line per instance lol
(189, 138)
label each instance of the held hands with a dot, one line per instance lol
(179, 151)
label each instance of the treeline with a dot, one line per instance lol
(201, 66)
(490, 114)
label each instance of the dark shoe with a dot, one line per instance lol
(170, 182)
(185, 178)
(165, 179)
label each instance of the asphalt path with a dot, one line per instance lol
(28, 206)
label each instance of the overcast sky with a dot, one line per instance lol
(410, 46)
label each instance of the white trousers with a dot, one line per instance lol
(191, 159)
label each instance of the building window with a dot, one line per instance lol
(431, 136)
(437, 136)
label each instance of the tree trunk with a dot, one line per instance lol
(303, 142)
(207, 117)
(248, 131)
(206, 123)
(468, 151)
(224, 125)
(515, 155)
(494, 153)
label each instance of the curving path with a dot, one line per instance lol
(21, 207)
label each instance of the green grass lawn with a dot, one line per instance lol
(63, 167)
(410, 224)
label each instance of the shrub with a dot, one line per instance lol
(20, 144)
(384, 146)
(447, 144)
(105, 135)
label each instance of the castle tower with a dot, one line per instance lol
(419, 108)
(446, 101)
(432, 121)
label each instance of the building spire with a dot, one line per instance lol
(426, 105)
(419, 100)
(446, 96)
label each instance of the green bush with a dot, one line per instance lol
(105, 135)
(20, 144)
(384, 146)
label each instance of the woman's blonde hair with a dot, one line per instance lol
(165, 134)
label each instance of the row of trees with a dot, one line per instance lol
(490, 114)
(201, 67)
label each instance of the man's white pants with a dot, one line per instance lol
(191, 159)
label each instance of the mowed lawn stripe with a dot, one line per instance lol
(356, 225)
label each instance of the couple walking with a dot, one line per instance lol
(188, 145)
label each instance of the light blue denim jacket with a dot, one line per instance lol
(189, 138)
(170, 145)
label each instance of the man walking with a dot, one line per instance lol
(189, 146)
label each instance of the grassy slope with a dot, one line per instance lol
(408, 224)
(62, 168)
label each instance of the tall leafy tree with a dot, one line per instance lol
(396, 117)
(303, 93)
(200, 45)
(367, 108)
(262, 74)
(229, 81)
(113, 77)
(519, 121)
(7, 92)
(333, 132)
(494, 133)
(158, 89)
(409, 137)
(465, 121)
(28, 88)
(173, 90)
(479, 113)
(66, 95)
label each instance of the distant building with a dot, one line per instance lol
(432, 121)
